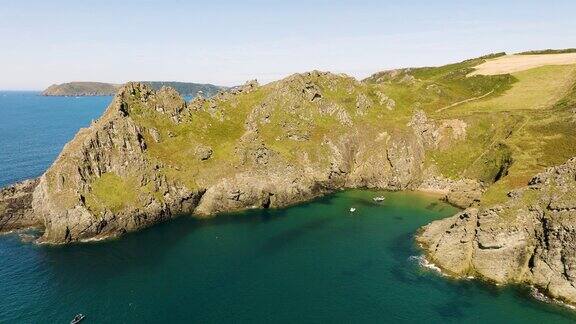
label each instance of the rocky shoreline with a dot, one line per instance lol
(530, 239)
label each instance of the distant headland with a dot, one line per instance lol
(75, 89)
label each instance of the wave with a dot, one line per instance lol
(540, 296)
(423, 262)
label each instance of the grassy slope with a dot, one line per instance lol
(111, 192)
(528, 127)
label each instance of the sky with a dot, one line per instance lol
(230, 42)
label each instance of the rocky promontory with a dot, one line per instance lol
(529, 239)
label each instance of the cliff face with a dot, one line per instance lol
(529, 239)
(15, 203)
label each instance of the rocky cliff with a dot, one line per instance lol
(529, 239)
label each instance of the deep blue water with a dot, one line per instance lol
(311, 263)
(33, 130)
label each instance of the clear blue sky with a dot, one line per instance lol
(228, 42)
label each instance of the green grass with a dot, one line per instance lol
(438, 87)
(111, 192)
(537, 88)
(481, 154)
(531, 121)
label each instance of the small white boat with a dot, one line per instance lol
(378, 199)
(352, 209)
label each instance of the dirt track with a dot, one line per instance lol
(516, 63)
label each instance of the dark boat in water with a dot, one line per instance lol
(77, 319)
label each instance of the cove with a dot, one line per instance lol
(315, 262)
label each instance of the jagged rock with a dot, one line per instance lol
(363, 104)
(531, 238)
(333, 109)
(311, 92)
(433, 135)
(386, 101)
(16, 206)
(247, 87)
(154, 134)
(402, 76)
(464, 193)
(203, 152)
(65, 204)
(168, 101)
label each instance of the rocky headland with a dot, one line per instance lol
(153, 156)
(531, 238)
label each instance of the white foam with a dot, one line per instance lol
(423, 262)
(538, 295)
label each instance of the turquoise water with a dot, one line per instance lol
(315, 262)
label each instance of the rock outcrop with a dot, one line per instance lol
(15, 206)
(529, 239)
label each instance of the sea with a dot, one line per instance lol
(317, 262)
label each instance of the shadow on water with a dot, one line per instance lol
(287, 237)
(143, 249)
(456, 308)
(130, 251)
(360, 268)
